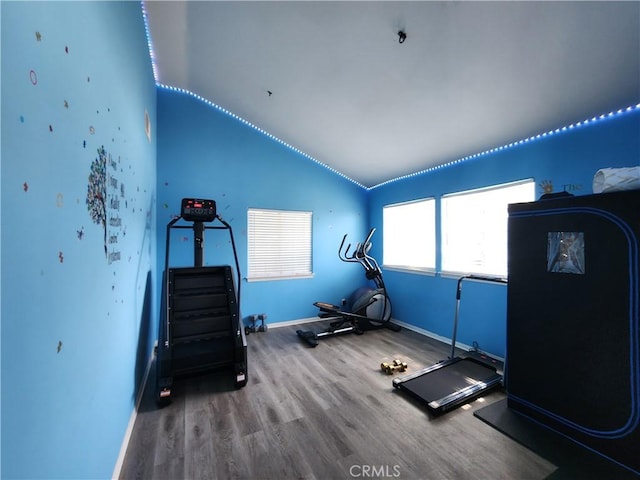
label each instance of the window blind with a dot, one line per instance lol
(279, 244)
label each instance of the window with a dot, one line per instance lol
(409, 237)
(279, 244)
(474, 227)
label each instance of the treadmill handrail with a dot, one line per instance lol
(226, 226)
(479, 278)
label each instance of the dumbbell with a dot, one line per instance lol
(252, 329)
(397, 365)
(263, 326)
(390, 368)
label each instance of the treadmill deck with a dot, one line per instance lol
(449, 384)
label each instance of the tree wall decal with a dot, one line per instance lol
(97, 192)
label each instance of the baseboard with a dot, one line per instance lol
(408, 326)
(429, 334)
(132, 421)
(299, 321)
(440, 338)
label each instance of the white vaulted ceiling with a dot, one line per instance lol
(333, 80)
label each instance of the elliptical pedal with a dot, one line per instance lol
(308, 336)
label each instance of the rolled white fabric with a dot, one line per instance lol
(615, 179)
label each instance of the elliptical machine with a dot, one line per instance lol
(366, 309)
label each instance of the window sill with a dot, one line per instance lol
(418, 271)
(457, 275)
(268, 279)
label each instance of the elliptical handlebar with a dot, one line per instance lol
(345, 257)
(361, 255)
(360, 252)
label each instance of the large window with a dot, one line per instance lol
(474, 227)
(279, 244)
(409, 238)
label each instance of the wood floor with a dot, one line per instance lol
(319, 413)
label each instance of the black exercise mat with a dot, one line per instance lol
(572, 460)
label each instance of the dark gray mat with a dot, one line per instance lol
(572, 460)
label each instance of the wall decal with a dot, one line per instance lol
(115, 221)
(572, 187)
(103, 201)
(147, 124)
(97, 192)
(546, 186)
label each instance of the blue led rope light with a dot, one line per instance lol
(152, 56)
(611, 114)
(264, 132)
(224, 110)
(403, 177)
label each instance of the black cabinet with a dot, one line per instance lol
(573, 337)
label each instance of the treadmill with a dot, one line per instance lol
(453, 382)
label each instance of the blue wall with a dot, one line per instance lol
(568, 160)
(206, 153)
(76, 294)
(79, 297)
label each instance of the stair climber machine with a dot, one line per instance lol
(451, 383)
(367, 308)
(200, 325)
